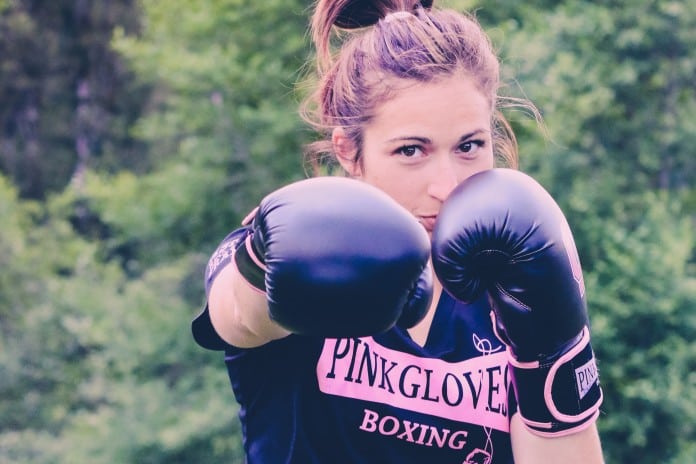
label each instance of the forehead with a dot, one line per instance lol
(446, 102)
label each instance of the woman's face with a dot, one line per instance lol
(424, 141)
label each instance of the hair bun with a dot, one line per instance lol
(362, 13)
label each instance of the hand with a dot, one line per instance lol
(337, 258)
(501, 233)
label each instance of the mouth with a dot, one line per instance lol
(428, 222)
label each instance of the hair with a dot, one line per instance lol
(387, 39)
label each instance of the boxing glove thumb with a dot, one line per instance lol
(418, 301)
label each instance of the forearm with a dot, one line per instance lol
(239, 312)
(582, 447)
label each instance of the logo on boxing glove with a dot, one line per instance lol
(586, 377)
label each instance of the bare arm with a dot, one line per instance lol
(239, 312)
(582, 447)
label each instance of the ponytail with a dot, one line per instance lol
(352, 14)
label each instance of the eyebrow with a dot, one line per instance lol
(426, 140)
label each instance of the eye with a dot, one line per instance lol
(409, 151)
(470, 147)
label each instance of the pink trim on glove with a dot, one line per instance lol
(561, 433)
(236, 268)
(584, 341)
(252, 254)
(574, 423)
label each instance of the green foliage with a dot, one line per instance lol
(96, 367)
(40, 366)
(145, 391)
(641, 294)
(227, 71)
(615, 83)
(12, 244)
(618, 85)
(101, 278)
(112, 297)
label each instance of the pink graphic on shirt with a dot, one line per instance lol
(472, 391)
(478, 456)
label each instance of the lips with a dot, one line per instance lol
(428, 222)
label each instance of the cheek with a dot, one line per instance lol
(405, 193)
(402, 188)
(487, 162)
(483, 163)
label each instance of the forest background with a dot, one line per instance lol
(135, 135)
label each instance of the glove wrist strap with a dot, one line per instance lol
(561, 395)
(250, 266)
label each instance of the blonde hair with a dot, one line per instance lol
(401, 39)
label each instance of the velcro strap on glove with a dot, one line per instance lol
(558, 396)
(248, 259)
(250, 266)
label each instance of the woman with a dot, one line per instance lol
(340, 344)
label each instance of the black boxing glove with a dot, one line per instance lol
(337, 257)
(501, 233)
(418, 301)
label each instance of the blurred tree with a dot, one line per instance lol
(223, 125)
(99, 282)
(223, 130)
(94, 366)
(66, 100)
(615, 83)
(41, 364)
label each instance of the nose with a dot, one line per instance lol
(443, 179)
